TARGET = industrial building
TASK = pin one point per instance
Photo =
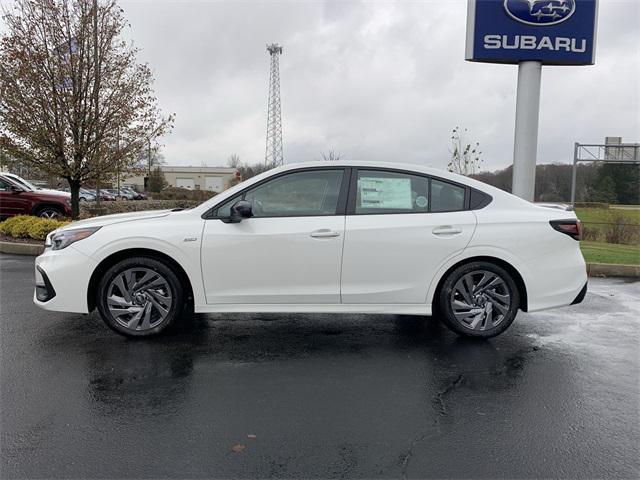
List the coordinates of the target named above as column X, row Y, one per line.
column 214, row 179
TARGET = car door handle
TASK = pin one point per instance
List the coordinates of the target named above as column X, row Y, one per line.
column 446, row 230
column 324, row 233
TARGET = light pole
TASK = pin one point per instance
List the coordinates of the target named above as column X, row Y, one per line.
column 96, row 86
column 149, row 162
column 118, row 158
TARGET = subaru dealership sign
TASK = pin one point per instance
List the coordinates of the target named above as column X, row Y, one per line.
column 553, row 32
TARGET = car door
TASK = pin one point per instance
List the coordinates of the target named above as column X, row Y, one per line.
column 289, row 251
column 13, row 202
column 5, row 193
column 400, row 228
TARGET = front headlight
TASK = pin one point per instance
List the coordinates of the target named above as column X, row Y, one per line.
column 64, row 238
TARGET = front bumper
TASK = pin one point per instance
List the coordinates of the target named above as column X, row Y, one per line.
column 62, row 279
column 44, row 288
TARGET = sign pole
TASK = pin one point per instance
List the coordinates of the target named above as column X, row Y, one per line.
column 574, row 173
column 526, row 134
column 530, row 33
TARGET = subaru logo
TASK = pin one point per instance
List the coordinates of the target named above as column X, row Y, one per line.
column 540, row 12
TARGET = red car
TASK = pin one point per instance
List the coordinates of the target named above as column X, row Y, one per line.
column 17, row 199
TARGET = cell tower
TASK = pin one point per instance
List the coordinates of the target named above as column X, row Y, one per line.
column 273, row 155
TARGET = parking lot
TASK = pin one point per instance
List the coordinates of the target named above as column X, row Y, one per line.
column 319, row 395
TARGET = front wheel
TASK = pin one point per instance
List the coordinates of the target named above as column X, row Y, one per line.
column 140, row 297
column 479, row 299
column 49, row 212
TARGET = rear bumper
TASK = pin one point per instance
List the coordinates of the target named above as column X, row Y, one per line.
column 557, row 281
column 581, row 295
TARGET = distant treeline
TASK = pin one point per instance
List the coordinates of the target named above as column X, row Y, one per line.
column 606, row 183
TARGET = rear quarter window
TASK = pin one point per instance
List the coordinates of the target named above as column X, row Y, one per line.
column 446, row 197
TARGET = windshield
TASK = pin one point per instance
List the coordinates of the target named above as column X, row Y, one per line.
column 23, row 182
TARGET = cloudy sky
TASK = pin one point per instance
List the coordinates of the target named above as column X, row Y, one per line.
column 375, row 80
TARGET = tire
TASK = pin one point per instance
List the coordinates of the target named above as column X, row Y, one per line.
column 140, row 312
column 478, row 299
column 49, row 212
column 82, row 199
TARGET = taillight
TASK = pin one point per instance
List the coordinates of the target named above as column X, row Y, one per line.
column 573, row 228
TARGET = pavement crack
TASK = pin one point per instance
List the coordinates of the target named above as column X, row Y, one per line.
column 439, row 397
column 406, row 457
column 439, row 402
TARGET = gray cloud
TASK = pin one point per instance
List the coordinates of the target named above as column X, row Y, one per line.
column 382, row 81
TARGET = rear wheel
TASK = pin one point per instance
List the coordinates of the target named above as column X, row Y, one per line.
column 140, row 297
column 479, row 299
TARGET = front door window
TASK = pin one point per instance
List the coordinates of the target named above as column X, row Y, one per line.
column 301, row 194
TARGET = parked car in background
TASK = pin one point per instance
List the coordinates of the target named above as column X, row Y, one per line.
column 121, row 194
column 87, row 195
column 17, row 199
column 329, row 237
column 104, row 195
column 136, row 195
column 84, row 195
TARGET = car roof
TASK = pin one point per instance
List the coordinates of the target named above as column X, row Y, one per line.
column 7, row 177
column 409, row 167
column 13, row 175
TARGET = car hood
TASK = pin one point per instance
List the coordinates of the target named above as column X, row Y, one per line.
column 52, row 193
column 116, row 218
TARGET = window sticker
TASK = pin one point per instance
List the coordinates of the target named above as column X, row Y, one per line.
column 422, row 201
column 376, row 192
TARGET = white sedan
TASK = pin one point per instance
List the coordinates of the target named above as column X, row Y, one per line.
column 326, row 237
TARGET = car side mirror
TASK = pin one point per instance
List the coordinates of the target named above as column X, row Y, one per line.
column 239, row 210
column 16, row 189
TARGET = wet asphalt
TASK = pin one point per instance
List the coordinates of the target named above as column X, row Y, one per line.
column 322, row 396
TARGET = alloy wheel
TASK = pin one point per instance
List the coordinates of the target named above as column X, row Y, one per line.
column 49, row 213
column 139, row 298
column 480, row 300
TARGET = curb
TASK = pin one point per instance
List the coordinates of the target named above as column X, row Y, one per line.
column 21, row 248
column 593, row 269
column 612, row 270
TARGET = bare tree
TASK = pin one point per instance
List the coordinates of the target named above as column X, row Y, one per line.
column 74, row 102
column 465, row 157
column 245, row 170
column 331, row 156
column 234, row 161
